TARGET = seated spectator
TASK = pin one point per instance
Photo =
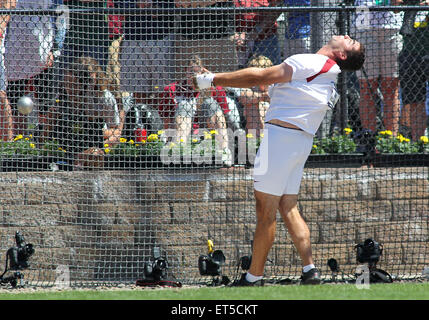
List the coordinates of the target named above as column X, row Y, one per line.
column 183, row 107
column 115, row 34
column 88, row 116
column 255, row 101
column 256, row 32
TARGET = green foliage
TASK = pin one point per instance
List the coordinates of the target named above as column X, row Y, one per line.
column 25, row 146
column 338, row 143
column 387, row 143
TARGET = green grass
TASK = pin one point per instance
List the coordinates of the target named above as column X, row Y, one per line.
column 395, row 291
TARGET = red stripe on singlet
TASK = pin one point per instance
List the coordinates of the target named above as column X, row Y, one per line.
column 326, row 67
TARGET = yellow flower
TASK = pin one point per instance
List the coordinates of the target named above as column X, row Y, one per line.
column 106, row 145
column 107, row 150
column 18, row 137
column 386, row 133
column 122, row 140
column 261, row 135
column 314, row 146
column 26, row 139
column 152, row 137
column 160, row 132
column 181, row 140
column 249, row 135
column 424, row 139
column 32, row 146
column 131, row 141
column 348, row 130
column 401, row 138
column 207, row 135
column 194, row 140
column 61, row 149
column 213, row 132
column 172, row 145
column 31, row 136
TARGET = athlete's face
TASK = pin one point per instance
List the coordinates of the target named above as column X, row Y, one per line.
column 342, row 44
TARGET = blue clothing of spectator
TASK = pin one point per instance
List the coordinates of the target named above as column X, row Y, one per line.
column 298, row 22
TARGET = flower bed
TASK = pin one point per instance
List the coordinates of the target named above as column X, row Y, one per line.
column 339, row 150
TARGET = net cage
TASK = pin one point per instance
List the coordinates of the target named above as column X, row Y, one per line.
column 111, row 159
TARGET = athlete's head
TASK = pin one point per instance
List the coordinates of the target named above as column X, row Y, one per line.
column 348, row 53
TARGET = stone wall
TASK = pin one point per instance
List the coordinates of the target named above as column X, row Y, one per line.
column 103, row 225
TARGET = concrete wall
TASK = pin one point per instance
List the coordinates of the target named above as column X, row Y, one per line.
column 103, row 225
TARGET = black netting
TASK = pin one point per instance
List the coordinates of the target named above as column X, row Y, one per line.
column 109, row 155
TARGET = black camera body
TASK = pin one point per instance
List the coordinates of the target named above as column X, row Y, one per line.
column 18, row 256
column 369, row 251
column 157, row 269
column 210, row 265
column 16, row 260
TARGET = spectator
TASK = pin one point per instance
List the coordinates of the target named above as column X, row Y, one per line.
column 255, row 100
column 87, row 33
column 115, row 34
column 183, row 108
column 379, row 32
column 90, row 117
column 413, row 74
column 297, row 33
column 208, row 34
column 6, row 120
column 256, row 33
column 146, row 57
column 28, row 57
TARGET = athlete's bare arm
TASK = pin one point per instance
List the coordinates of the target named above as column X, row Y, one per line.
column 250, row 77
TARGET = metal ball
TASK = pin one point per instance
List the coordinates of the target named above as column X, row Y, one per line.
column 25, row 105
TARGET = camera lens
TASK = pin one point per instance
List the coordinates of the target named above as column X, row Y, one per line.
column 369, row 243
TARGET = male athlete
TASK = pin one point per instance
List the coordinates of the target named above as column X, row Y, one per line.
column 302, row 89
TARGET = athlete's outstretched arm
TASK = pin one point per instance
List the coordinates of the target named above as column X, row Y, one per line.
column 246, row 78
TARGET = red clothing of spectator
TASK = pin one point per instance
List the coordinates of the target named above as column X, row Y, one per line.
column 167, row 102
column 248, row 20
column 115, row 22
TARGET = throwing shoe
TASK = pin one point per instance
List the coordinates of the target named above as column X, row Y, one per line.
column 242, row 282
column 311, row 277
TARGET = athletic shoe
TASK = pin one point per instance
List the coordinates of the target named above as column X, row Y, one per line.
column 311, row 277
column 244, row 283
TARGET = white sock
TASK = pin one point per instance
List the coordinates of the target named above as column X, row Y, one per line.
column 308, row 267
column 251, row 278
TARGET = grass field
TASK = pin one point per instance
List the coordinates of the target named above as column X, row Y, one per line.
column 395, row 291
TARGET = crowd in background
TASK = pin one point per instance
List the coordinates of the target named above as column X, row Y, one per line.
column 95, row 76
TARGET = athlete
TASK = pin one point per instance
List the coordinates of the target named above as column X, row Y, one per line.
column 302, row 89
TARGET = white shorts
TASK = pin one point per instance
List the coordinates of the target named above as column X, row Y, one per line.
column 279, row 163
